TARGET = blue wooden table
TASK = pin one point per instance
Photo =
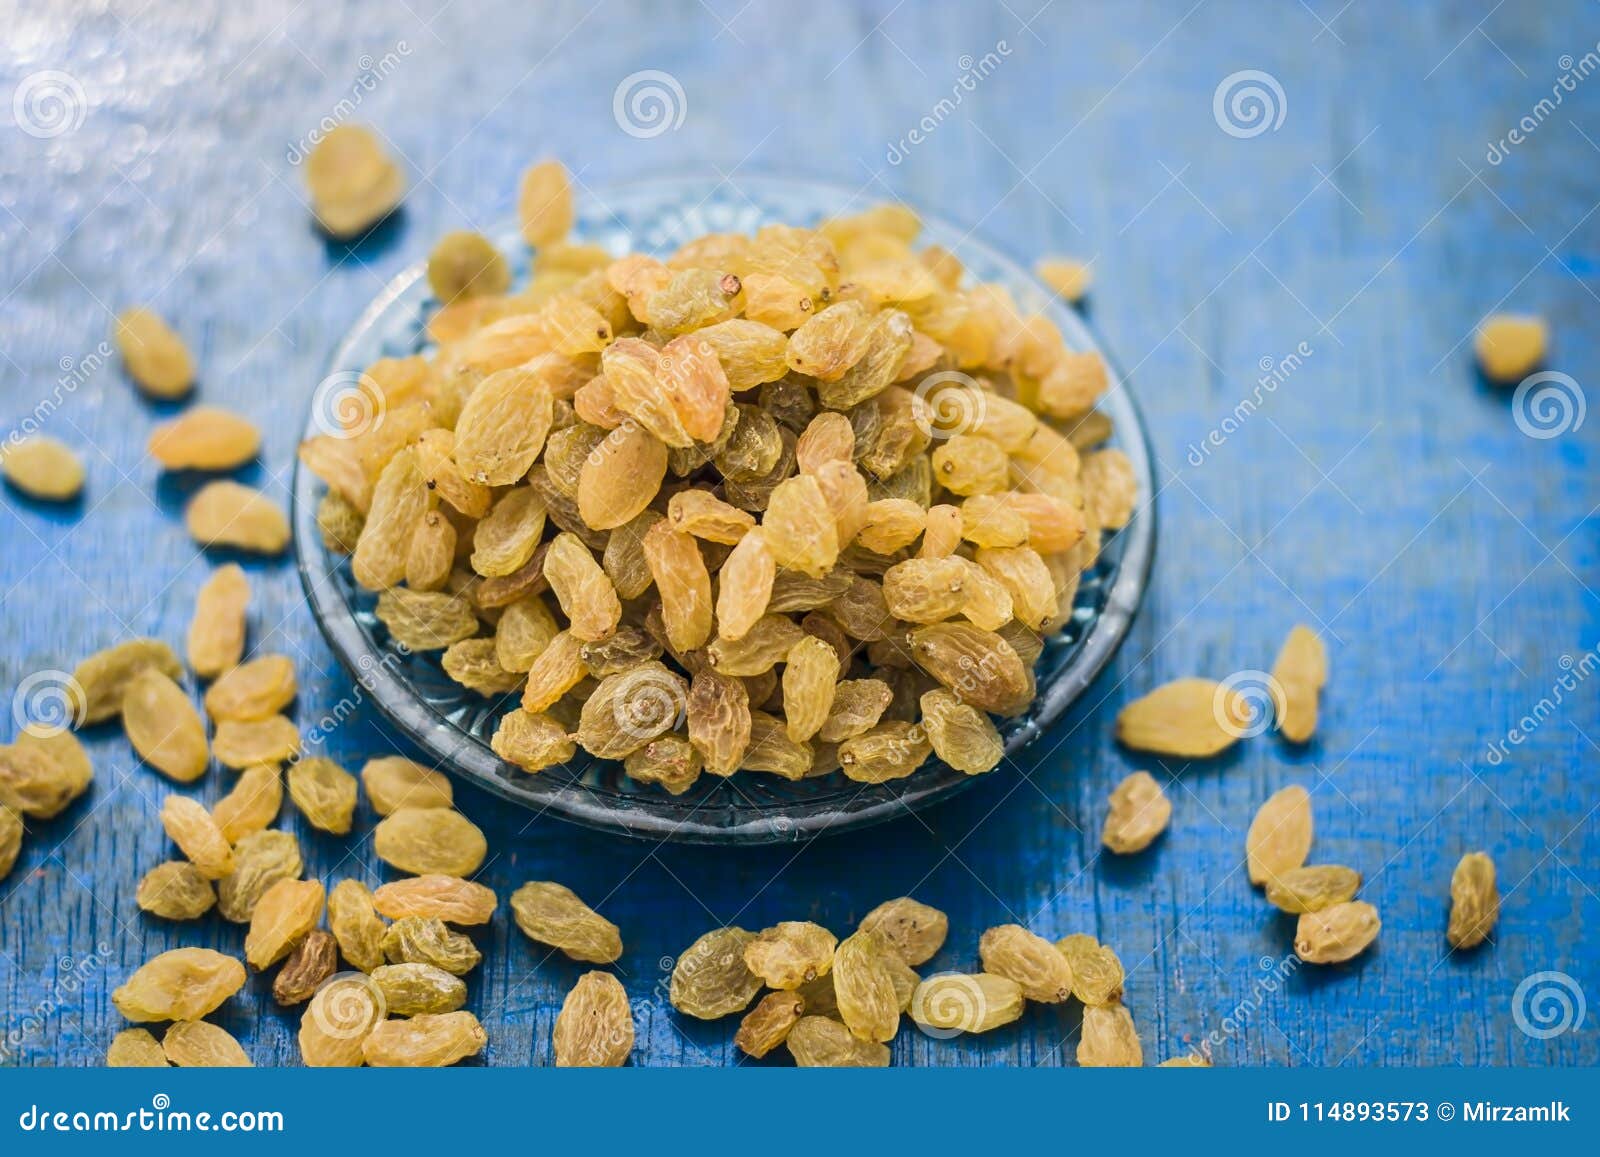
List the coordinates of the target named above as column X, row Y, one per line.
column 1323, row 257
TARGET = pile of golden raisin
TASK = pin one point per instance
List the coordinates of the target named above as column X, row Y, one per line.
column 791, row 503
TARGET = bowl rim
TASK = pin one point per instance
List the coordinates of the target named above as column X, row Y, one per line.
column 396, row 698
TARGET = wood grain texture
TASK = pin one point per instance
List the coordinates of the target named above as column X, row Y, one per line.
column 1379, row 491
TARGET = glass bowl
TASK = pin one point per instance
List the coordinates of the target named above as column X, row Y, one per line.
column 453, row 725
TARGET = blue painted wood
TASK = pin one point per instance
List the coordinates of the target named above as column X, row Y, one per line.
column 1378, row 491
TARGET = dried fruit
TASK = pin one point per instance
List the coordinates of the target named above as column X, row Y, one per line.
column 11, row 833
column 229, row 514
column 393, row 782
column 163, row 726
column 1510, row 347
column 551, row 914
column 1279, row 838
column 431, row 1040
column 1042, row 970
column 283, row 917
column 353, row 183
column 595, row 1026
column 961, row 1002
column 255, row 690
column 1474, row 901
column 683, row 583
column 532, row 444
column 425, row 940
column 98, row 682
column 960, row 735
column 324, row 792
column 430, row 840
column 1107, row 1038
column 447, row 898
column 1096, row 972
column 544, row 204
column 195, row 1044
column 1312, row 888
column 308, row 967
column 1336, row 933
column 135, row 1048
column 978, row 666
column 353, row 920
column 818, row 1042
column 710, row 978
column 1300, row 671
column 464, row 264
column 791, row 953
column 216, row 632
column 1071, row 279
column 191, row 827
column 1187, row 718
column 416, row 988
column 176, row 890
column 580, row 585
column 244, row 743
column 154, row 356
column 767, row 1025
column 1140, row 811
column 426, row 620
column 43, row 468
column 888, row 751
column 252, row 805
column 913, row 930
column 205, row 438
column 863, row 984
column 337, row 1022
column 43, row 772
column 260, row 860
column 183, row 984
column 532, row 740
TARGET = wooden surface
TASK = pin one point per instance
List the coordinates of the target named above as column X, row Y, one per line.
column 1380, row 492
